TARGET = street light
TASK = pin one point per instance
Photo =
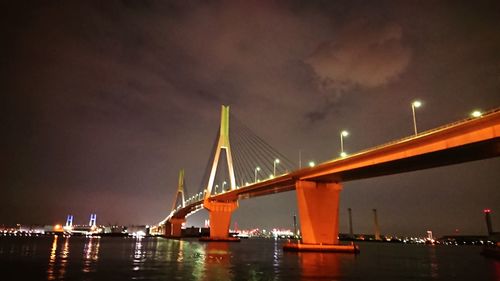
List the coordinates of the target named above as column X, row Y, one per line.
column 476, row 113
column 256, row 170
column 343, row 134
column 216, row 186
column 276, row 162
column 223, row 184
column 311, row 164
column 415, row 104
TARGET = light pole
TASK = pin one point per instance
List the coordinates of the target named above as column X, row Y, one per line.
column 216, row 186
column 223, row 184
column 343, row 134
column 256, row 170
column 276, row 162
column 415, row 104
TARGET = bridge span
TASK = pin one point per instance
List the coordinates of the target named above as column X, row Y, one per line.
column 318, row 188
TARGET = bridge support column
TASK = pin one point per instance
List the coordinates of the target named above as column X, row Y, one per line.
column 318, row 205
column 173, row 227
column 220, row 219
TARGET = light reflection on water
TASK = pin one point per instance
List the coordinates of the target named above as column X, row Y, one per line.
column 81, row 258
column 139, row 255
column 434, row 265
column 52, row 260
column 217, row 261
column 90, row 254
column 317, row 265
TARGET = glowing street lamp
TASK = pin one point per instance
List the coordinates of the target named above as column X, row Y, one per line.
column 343, row 134
column 276, row 162
column 256, row 170
column 312, row 164
column 415, row 104
column 223, row 184
column 476, row 113
column 216, row 186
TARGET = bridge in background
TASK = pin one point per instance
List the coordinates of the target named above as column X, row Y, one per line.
column 318, row 187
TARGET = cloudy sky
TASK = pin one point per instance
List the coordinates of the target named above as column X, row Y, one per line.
column 104, row 101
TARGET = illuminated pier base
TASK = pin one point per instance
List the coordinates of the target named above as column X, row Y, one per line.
column 173, row 227
column 220, row 219
column 318, row 205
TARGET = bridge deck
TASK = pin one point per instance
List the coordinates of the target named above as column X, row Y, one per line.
column 467, row 140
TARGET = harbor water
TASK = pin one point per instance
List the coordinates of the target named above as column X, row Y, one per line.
column 155, row 258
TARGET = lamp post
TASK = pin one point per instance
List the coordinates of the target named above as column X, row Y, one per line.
column 223, row 184
column 343, row 134
column 256, row 170
column 276, row 162
column 216, row 186
column 415, row 104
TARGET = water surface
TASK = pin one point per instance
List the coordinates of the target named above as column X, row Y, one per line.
column 80, row 258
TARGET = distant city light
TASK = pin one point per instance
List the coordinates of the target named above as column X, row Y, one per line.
column 487, row 211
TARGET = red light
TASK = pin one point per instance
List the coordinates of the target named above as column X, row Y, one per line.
column 487, row 211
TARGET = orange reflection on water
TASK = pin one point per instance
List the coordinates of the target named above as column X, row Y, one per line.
column 217, row 261
column 90, row 253
column 52, row 260
column 63, row 255
column 319, row 265
column 180, row 256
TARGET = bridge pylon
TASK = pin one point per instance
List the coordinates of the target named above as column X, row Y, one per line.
column 220, row 212
column 173, row 225
column 222, row 143
column 180, row 191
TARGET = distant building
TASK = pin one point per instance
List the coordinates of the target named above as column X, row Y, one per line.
column 138, row 230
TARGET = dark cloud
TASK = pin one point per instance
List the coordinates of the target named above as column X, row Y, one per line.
column 361, row 54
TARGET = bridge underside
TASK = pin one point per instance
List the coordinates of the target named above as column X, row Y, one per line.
column 466, row 153
column 456, row 155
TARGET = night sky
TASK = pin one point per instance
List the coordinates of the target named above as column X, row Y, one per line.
column 103, row 102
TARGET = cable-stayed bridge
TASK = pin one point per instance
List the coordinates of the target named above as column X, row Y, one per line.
column 246, row 167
